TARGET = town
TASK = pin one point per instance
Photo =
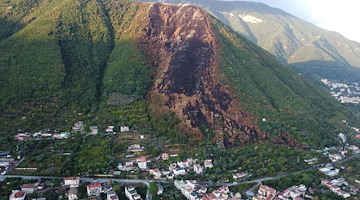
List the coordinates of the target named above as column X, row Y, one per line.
column 344, row 92
column 140, row 176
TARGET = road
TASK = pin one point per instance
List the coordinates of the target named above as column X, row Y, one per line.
column 87, row 179
column 302, row 170
column 147, row 182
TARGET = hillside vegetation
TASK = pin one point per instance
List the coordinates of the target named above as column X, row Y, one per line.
column 66, row 60
column 273, row 92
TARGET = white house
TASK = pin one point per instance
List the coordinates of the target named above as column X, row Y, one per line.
column 94, row 130
column 198, row 169
column 208, row 163
column 155, row 172
column 160, row 189
column 131, row 193
column 179, row 171
column 172, row 167
column 72, row 181
column 94, row 189
column 224, row 189
column 239, row 175
column 135, row 148
column 17, row 195
column 342, row 136
column 142, row 162
column 111, row 195
column 165, row 156
column 137, row 197
column 72, row 195
column 170, row 176
column 181, row 164
column 334, row 157
column 28, row 188
column 110, row 129
column 124, row 129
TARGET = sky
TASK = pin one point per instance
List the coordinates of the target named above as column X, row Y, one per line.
column 342, row 16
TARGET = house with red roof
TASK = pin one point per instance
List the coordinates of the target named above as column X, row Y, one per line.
column 17, row 195
column 28, row 188
column 72, row 181
column 142, row 162
column 165, row 156
column 94, row 189
column 155, row 172
column 208, row 163
column 265, row 193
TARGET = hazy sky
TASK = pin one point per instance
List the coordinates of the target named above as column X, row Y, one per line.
column 342, row 16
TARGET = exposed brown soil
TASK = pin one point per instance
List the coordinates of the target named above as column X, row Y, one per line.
column 180, row 41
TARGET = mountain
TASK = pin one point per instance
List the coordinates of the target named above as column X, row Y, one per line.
column 306, row 47
column 173, row 68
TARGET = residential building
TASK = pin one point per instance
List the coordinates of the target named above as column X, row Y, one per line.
column 284, row 195
column 334, row 188
column 334, row 157
column 131, row 193
column 94, row 130
column 111, row 195
column 311, row 161
column 181, row 164
column 224, row 189
column 160, row 189
column 135, row 148
column 5, row 154
column 120, row 165
column 179, row 171
column 172, row 167
column 202, row 189
column 188, row 162
column 72, row 194
column 94, row 189
column 142, row 162
column 28, row 188
column 170, row 176
column 72, row 181
column 129, row 164
column 342, row 136
column 174, row 155
column 137, row 197
column 192, row 191
column 155, row 172
column 110, row 129
column 124, row 129
column 239, row 175
column 265, row 192
column 354, row 148
column 208, row 163
column 165, row 156
column 62, row 135
column 78, row 126
column 329, row 172
column 198, row 169
column 17, row 195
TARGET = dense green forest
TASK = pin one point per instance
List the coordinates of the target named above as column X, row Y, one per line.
column 269, row 90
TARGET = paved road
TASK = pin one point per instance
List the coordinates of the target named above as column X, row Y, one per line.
column 87, row 179
column 302, row 170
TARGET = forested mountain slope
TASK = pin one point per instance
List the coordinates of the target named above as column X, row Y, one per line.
column 306, row 47
column 61, row 59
